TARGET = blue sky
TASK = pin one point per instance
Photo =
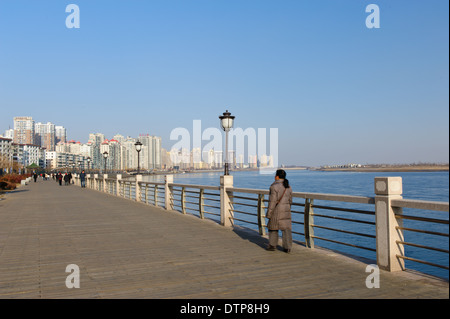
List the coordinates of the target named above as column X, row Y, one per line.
column 337, row 91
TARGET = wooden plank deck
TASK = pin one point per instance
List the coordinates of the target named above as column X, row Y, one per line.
column 126, row 249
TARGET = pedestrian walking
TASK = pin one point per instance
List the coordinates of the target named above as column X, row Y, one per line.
column 35, row 176
column 66, row 179
column 279, row 212
column 83, row 179
column 59, row 178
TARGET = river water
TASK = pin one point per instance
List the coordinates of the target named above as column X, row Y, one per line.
column 430, row 186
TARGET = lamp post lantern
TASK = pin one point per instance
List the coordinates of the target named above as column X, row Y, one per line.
column 226, row 121
column 105, row 156
column 138, row 146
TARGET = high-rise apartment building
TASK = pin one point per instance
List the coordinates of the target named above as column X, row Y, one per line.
column 96, row 140
column 114, row 161
column 129, row 154
column 151, row 152
column 45, row 135
column 24, row 130
column 60, row 134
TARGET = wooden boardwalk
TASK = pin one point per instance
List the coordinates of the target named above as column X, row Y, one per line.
column 126, row 249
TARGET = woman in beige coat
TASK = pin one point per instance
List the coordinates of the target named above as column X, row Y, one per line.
column 279, row 212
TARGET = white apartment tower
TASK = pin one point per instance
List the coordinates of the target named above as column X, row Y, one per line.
column 45, row 135
column 60, row 134
column 150, row 156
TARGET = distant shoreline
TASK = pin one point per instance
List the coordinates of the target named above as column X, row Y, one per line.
column 418, row 168
column 437, row 168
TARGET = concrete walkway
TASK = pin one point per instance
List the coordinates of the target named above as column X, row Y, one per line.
column 126, row 249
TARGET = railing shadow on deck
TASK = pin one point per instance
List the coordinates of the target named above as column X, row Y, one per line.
column 251, row 235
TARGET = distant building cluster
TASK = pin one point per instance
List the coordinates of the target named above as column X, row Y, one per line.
column 196, row 159
column 122, row 154
column 39, row 145
column 27, row 142
column 343, row 166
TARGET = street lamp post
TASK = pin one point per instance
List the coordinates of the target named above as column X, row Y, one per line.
column 89, row 162
column 226, row 121
column 138, row 146
column 105, row 156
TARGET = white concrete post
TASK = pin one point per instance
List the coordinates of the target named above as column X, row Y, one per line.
column 168, row 192
column 118, row 179
column 226, row 181
column 137, row 189
column 105, row 188
column 386, row 190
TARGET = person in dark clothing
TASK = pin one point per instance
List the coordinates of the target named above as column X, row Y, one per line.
column 59, row 178
column 279, row 212
column 66, row 179
column 83, row 179
column 35, row 176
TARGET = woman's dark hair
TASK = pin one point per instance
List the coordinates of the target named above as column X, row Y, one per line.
column 282, row 175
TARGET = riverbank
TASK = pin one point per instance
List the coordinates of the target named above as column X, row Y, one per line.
column 406, row 168
column 399, row 168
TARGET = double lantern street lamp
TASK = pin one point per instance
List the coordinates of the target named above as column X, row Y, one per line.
column 138, row 146
column 226, row 121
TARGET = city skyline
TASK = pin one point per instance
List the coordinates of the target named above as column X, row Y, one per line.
column 36, row 144
column 337, row 91
column 22, row 145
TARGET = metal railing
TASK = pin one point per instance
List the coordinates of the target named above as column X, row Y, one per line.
column 127, row 189
column 413, row 215
column 307, row 216
column 202, row 201
column 152, row 193
column 111, row 186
